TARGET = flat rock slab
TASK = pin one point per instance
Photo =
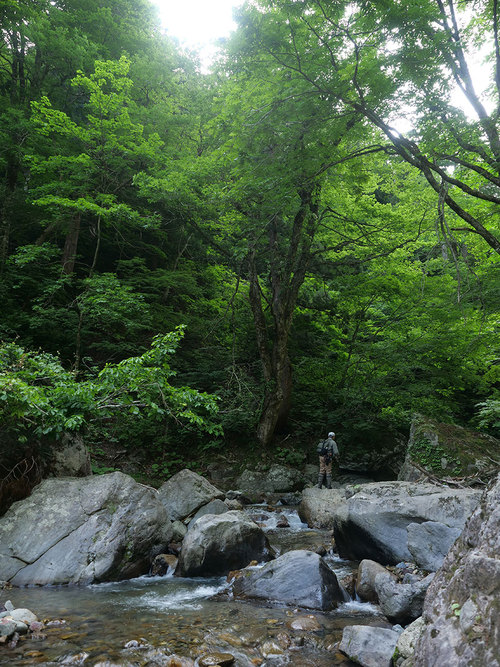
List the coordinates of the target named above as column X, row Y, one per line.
column 82, row 530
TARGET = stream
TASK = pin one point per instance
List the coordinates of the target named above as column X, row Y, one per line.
column 187, row 617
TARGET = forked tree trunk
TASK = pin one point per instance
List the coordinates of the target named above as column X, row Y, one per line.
column 288, row 265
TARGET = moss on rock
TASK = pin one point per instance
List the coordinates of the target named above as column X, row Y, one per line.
column 450, row 450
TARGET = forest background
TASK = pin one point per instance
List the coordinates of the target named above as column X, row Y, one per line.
column 196, row 263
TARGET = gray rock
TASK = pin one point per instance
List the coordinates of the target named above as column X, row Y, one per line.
column 216, row 506
column 88, row 529
column 383, row 458
column 401, row 603
column 429, row 542
column 233, row 504
column 217, row 544
column 7, row 627
column 23, row 615
column 317, row 507
column 365, row 579
column 278, row 479
column 451, row 448
column 469, row 615
column 373, row 523
column 370, row 647
column 179, row 531
column 70, row 457
column 467, row 583
column 297, row 577
column 238, row 496
column 409, row 637
column 185, row 493
column 410, row 473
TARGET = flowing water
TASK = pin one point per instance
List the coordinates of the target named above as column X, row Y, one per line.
column 186, row 617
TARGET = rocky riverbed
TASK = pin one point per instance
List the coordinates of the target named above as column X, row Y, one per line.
column 243, row 584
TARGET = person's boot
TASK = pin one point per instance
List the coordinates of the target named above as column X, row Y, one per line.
column 328, row 481
column 321, row 479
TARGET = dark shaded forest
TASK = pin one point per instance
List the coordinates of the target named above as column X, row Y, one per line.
column 192, row 263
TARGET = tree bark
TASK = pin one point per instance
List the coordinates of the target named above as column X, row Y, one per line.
column 71, row 245
column 286, row 275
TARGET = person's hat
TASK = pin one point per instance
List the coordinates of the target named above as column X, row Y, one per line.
column 331, row 434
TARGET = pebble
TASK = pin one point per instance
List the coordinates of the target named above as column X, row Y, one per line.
column 24, row 616
column 177, row 661
column 55, row 623
column 36, row 626
column 33, row 654
column 76, row 659
column 7, row 627
column 306, row 623
column 271, row 648
column 284, row 640
column 216, row 660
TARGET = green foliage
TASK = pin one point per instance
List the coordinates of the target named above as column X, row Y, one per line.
column 102, row 470
column 166, row 468
column 291, row 457
column 268, row 205
column 39, row 398
column 488, row 415
column 429, row 455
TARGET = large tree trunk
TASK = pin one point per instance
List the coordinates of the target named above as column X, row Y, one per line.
column 71, row 245
column 289, row 259
column 277, row 398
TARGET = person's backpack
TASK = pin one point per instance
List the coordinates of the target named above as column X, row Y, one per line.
column 322, row 448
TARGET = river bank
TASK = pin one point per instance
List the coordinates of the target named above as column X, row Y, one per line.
column 190, row 617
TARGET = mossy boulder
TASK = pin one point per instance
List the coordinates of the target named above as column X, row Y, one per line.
column 448, row 450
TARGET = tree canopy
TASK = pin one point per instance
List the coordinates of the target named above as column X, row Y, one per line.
column 305, row 238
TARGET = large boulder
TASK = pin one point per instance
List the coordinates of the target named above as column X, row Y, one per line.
column 379, row 521
column 446, row 450
column 461, row 608
column 184, row 493
column 219, row 543
column 216, row 506
column 401, row 602
column 82, row 530
column 430, row 541
column 297, row 577
column 275, row 479
column 365, row 579
column 368, row 646
column 317, row 507
column 69, row 457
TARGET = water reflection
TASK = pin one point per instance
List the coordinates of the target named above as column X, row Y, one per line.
column 187, row 617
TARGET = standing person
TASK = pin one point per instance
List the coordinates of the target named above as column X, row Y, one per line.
column 328, row 452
